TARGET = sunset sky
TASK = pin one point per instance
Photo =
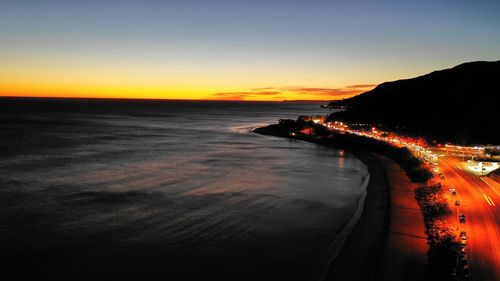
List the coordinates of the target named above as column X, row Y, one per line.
column 250, row 50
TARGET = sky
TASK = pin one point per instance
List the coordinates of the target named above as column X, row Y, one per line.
column 240, row 50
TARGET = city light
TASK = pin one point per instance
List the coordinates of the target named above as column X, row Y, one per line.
column 421, row 150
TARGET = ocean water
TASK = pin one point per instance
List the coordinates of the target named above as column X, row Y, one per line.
column 166, row 190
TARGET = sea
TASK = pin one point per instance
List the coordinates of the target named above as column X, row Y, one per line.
column 96, row 189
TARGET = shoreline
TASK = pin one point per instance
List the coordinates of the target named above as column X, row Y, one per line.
column 388, row 242
column 363, row 238
column 334, row 249
column 358, row 257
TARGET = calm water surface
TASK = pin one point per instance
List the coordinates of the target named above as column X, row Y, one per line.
column 103, row 189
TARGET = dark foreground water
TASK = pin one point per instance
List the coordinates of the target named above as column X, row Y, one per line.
column 140, row 190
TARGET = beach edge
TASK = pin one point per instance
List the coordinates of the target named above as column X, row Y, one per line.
column 359, row 255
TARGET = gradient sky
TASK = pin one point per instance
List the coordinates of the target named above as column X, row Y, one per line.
column 260, row 50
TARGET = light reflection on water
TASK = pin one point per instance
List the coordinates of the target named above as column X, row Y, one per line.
column 176, row 188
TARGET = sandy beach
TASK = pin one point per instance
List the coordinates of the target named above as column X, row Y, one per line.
column 359, row 256
column 388, row 243
column 406, row 250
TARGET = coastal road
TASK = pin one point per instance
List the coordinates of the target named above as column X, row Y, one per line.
column 480, row 202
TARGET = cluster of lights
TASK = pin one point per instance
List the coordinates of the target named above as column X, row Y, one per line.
column 419, row 151
column 459, row 147
column 415, row 146
column 339, row 126
column 481, row 168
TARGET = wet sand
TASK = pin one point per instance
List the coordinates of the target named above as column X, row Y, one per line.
column 359, row 258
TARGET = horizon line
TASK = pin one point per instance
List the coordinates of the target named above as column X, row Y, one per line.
column 151, row 99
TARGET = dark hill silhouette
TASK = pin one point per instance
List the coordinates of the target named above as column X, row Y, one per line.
column 459, row 105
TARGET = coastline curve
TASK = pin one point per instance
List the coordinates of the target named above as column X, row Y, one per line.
column 321, row 271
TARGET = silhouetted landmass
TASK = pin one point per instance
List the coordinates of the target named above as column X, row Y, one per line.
column 459, row 105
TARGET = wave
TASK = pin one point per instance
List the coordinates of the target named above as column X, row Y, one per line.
column 110, row 197
column 332, row 251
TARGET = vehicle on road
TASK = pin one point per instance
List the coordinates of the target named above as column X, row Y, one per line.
column 457, row 203
column 453, row 191
column 461, row 218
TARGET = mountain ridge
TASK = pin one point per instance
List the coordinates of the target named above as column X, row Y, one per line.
column 458, row 105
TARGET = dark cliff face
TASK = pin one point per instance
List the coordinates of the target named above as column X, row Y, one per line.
column 458, row 105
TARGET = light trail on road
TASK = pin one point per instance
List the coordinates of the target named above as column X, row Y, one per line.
column 483, row 218
column 488, row 199
column 491, row 184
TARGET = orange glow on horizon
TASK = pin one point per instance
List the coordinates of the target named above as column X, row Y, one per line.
column 143, row 92
column 79, row 77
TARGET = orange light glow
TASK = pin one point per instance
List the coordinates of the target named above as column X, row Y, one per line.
column 85, row 80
